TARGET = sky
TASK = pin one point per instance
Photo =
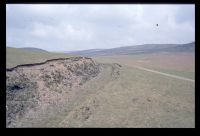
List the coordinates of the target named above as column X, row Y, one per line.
column 71, row 27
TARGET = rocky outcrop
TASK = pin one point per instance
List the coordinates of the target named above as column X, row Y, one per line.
column 24, row 83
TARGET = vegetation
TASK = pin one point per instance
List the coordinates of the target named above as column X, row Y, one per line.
column 16, row 56
column 119, row 96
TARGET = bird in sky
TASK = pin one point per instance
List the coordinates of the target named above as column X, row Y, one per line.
column 157, row 25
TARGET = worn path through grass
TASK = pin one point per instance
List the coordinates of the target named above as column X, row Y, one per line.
column 165, row 74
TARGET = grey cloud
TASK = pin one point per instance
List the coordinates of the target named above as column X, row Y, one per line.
column 185, row 14
column 78, row 27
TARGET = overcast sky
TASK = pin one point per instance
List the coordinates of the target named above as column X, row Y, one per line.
column 78, row 27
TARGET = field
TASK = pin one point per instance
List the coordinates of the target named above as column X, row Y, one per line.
column 125, row 96
column 180, row 64
column 137, row 99
column 143, row 99
column 16, row 56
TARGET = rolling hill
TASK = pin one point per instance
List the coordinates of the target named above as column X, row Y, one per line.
column 145, row 91
column 16, row 56
column 79, row 92
column 33, row 49
column 139, row 49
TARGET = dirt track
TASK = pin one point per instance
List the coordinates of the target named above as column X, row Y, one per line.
column 165, row 74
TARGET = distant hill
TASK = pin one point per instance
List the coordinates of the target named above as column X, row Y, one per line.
column 138, row 49
column 90, row 51
column 17, row 56
column 33, row 49
column 190, row 47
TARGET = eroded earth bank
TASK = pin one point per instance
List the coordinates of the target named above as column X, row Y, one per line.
column 43, row 94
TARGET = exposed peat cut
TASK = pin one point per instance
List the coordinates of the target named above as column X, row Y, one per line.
column 30, row 84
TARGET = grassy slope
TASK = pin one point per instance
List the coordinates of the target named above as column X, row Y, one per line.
column 138, row 99
column 18, row 56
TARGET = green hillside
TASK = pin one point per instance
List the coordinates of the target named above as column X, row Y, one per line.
column 16, row 56
column 33, row 49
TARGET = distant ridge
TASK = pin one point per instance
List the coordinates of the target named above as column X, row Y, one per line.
column 33, row 49
column 18, row 56
column 85, row 51
column 138, row 49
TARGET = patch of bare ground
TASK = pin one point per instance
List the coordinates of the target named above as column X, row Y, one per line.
column 33, row 91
